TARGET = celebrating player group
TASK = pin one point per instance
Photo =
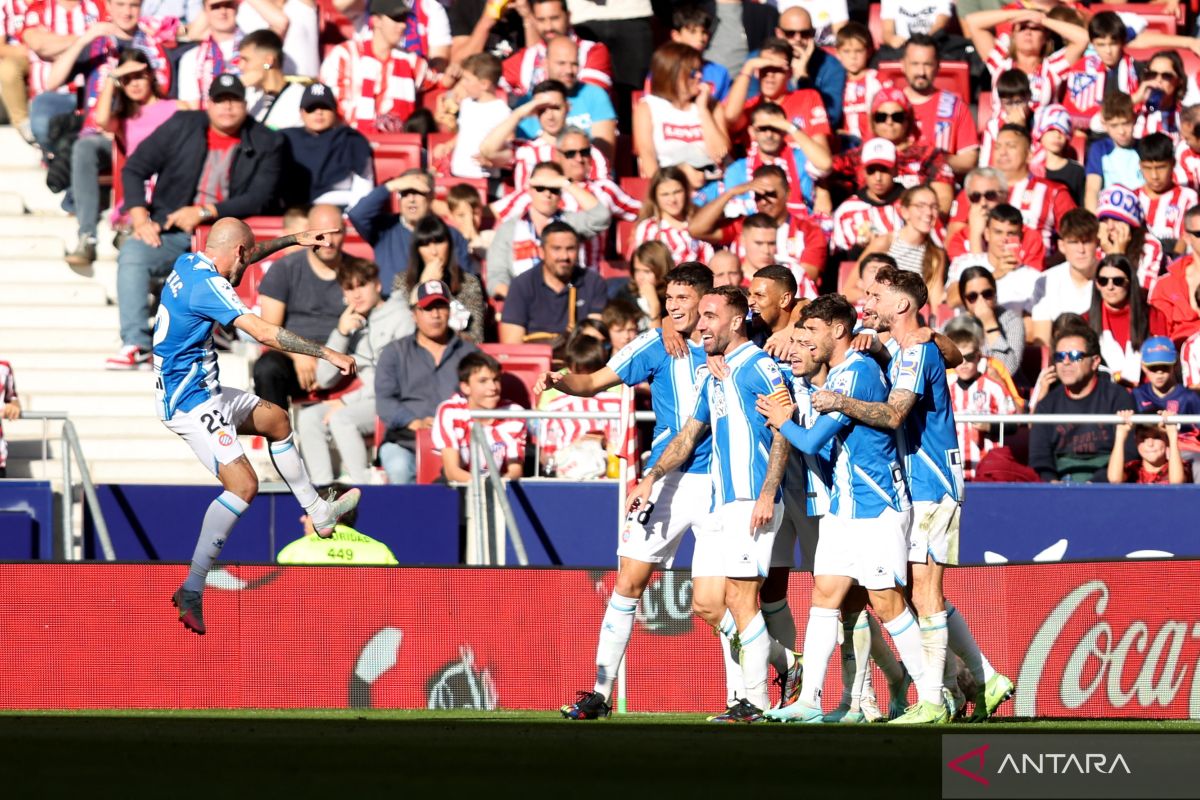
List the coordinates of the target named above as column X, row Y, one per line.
column 848, row 452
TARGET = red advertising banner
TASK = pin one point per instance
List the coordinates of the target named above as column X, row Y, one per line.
column 1079, row 640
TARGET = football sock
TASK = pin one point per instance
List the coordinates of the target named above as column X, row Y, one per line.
column 933, row 643
column 614, row 637
column 218, row 521
column 779, row 656
column 963, row 643
column 856, row 656
column 882, row 655
column 820, row 639
column 906, row 635
column 735, row 688
column 290, row 467
column 780, row 622
column 755, row 648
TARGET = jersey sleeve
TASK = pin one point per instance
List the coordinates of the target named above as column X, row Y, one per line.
column 911, row 375
column 771, row 381
column 513, row 433
column 215, row 299
column 701, row 411
column 846, row 382
column 442, row 434
column 636, row 362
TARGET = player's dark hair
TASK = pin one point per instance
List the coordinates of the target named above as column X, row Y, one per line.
column 690, row 16
column 1156, row 147
column 921, row 40
column 558, row 226
column 1006, row 213
column 759, row 221
column 734, row 296
column 694, row 274
column 473, row 362
column 780, row 275
column 771, row 171
column 830, row 309
column 910, row 284
column 1075, row 325
column 1107, row 25
column 356, row 272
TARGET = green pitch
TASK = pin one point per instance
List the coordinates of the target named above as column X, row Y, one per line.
column 292, row 754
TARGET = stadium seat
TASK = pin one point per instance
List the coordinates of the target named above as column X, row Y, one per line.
column 395, row 153
column 984, row 114
column 1156, row 17
column 875, row 23
column 846, row 271
column 523, row 364
column 614, row 269
column 953, row 76
column 623, row 162
column 429, row 463
column 355, row 245
column 634, row 186
column 625, row 238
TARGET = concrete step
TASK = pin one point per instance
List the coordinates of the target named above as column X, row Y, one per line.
column 92, row 382
column 99, row 405
column 15, row 151
column 54, row 270
column 59, row 294
column 186, row 470
column 88, row 428
column 78, row 319
column 11, row 203
column 63, row 228
column 151, row 451
column 33, row 246
column 30, row 184
column 98, row 344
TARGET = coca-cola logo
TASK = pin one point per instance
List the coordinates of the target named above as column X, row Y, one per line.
column 1109, row 656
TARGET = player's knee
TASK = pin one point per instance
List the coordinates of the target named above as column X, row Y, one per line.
column 708, row 610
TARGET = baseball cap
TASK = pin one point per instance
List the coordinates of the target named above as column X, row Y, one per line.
column 227, row 85
column 1159, row 350
column 1120, row 203
column 879, row 151
column 431, row 292
column 317, row 95
column 390, row 8
column 890, row 94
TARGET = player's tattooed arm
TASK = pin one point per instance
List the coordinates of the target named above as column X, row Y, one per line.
column 887, row 415
column 263, row 249
column 290, row 342
column 776, row 464
column 679, row 448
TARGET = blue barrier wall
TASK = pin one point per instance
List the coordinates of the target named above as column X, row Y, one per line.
column 576, row 524
column 26, row 520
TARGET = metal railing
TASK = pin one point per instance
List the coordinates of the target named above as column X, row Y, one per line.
column 1004, row 420
column 71, row 447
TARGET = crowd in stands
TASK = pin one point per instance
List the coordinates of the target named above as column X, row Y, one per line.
column 1036, row 162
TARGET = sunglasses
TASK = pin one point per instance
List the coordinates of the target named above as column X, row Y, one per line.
column 223, row 7
column 1118, row 281
column 547, row 189
column 1159, row 367
column 971, row 358
column 1069, row 356
column 880, row 117
column 1026, row 26
column 411, row 192
column 1191, row 232
column 798, row 33
column 143, row 75
column 765, row 195
column 1151, row 75
column 986, row 294
column 696, row 74
column 877, row 168
column 573, row 154
column 991, row 195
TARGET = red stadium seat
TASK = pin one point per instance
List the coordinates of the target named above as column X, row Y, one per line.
column 984, row 114
column 429, row 463
column 523, row 364
column 846, row 271
column 634, row 186
column 875, row 23
column 395, row 153
column 953, row 76
column 625, row 238
column 355, row 245
column 614, row 269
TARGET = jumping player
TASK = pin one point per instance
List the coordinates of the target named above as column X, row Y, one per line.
column 191, row 402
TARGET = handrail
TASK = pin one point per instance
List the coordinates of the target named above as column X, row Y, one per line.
column 71, row 446
column 493, row 479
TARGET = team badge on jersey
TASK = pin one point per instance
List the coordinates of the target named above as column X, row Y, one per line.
column 779, row 389
column 718, row 400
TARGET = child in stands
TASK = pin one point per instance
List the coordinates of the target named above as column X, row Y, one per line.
column 478, row 390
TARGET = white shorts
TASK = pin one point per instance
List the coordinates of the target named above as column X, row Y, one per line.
column 796, row 526
column 874, row 552
column 211, row 427
column 935, row 531
column 681, row 502
column 745, row 555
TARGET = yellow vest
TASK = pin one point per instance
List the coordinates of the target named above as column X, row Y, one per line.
column 347, row 546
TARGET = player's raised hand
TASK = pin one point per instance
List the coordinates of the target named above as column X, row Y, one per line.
column 779, row 344
column 914, row 338
column 717, row 366
column 548, row 380
column 316, row 238
column 776, row 412
column 824, row 400
column 345, row 364
column 673, row 342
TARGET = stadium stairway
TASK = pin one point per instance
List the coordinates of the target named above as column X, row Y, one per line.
column 58, row 325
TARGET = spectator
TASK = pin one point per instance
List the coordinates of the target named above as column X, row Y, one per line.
column 1187, row 151
column 1088, row 80
column 780, row 237
column 588, row 106
column 829, row 18
column 1015, row 281
column 665, row 215
column 481, row 26
column 1123, row 231
column 414, row 374
column 916, row 163
column 515, row 248
column 188, row 12
column 129, row 108
column 272, row 100
column 479, row 111
column 1159, row 459
column 328, row 163
column 623, row 319
column 1189, row 359
column 741, row 26
column 1067, row 287
column 812, row 67
column 1163, row 201
column 647, row 288
column 726, row 269
column 528, row 67
column 1159, row 96
column 854, row 48
column 549, row 302
column 301, row 292
column 776, row 140
column 210, row 164
column 676, row 124
column 1113, row 159
column 902, row 20
column 1052, row 134
column 1016, row 108
column 1173, row 295
column 549, row 105
column 466, row 214
column 1003, row 330
column 10, row 408
column 433, row 259
column 575, row 448
column 1121, row 319
column 356, row 69
column 1073, row 452
column 943, row 119
column 1162, row 392
column 693, row 26
column 984, row 188
column 802, row 108
column 478, row 390
column 14, row 69
column 48, row 28
column 366, row 326
column 626, row 25
column 912, row 246
column 855, row 288
column 392, row 234
column 1025, row 48
column 296, row 24
column 874, row 209
column 214, row 55
column 972, row 391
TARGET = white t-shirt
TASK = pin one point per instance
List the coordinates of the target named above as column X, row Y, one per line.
column 914, row 16
column 475, row 121
column 300, row 54
column 1055, row 293
column 282, row 112
column 1014, row 291
column 825, row 14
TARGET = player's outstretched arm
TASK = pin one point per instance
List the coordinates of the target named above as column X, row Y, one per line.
column 577, row 384
column 281, row 338
column 314, row 238
column 889, row 415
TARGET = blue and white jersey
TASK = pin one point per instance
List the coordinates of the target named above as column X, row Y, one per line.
column 185, row 362
column 867, row 477
column 673, row 385
column 928, row 439
column 741, row 437
column 808, row 477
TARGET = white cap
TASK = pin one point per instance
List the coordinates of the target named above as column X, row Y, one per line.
column 879, row 151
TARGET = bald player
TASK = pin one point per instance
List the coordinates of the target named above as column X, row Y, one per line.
column 191, row 402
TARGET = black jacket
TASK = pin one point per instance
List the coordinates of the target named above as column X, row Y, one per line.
column 176, row 152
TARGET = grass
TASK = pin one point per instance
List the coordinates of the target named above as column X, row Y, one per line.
column 313, row 753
